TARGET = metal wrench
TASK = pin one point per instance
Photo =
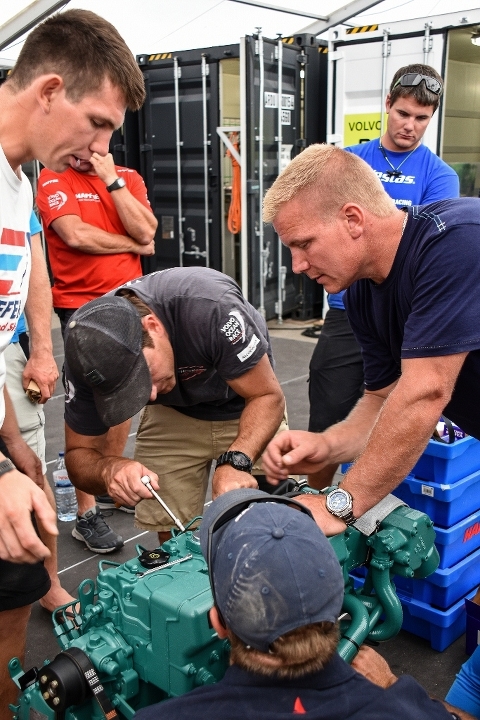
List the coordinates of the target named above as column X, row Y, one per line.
column 145, row 479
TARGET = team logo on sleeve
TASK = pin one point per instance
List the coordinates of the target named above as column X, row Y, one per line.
column 234, row 328
column 57, row 200
column 249, row 350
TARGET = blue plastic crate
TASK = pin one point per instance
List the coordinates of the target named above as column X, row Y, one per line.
column 458, row 541
column 445, row 504
column 444, row 587
column 447, row 463
column 440, row 627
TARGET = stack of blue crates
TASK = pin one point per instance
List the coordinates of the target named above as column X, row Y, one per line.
column 444, row 484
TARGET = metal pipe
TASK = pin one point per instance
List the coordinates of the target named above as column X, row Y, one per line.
column 244, row 233
column 206, row 143
column 281, row 274
column 386, row 47
column 262, row 253
column 177, row 73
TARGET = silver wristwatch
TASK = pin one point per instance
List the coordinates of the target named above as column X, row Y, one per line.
column 339, row 502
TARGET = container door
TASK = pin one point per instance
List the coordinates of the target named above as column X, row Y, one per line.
column 180, row 156
column 279, row 81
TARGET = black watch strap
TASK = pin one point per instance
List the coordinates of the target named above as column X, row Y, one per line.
column 6, row 466
column 116, row 185
column 237, row 459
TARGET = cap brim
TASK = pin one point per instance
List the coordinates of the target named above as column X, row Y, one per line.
column 220, row 505
column 127, row 400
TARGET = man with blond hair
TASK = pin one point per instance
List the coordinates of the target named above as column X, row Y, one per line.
column 413, row 303
column 412, row 175
column 68, row 91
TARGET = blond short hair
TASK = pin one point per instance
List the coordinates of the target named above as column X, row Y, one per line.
column 301, row 651
column 331, row 177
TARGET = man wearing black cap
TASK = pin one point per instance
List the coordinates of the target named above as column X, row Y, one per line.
column 278, row 590
column 187, row 342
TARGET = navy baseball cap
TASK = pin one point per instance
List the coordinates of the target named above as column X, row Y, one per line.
column 271, row 567
column 103, row 348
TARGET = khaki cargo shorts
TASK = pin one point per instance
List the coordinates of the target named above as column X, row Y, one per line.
column 180, row 449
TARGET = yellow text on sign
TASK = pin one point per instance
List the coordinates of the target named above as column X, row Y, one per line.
column 361, row 127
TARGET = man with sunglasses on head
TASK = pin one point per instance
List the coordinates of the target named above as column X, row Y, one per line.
column 412, row 175
column 278, row 590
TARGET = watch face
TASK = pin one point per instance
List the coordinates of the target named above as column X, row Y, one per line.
column 240, row 460
column 337, row 501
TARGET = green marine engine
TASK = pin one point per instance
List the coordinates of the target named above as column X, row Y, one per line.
column 141, row 633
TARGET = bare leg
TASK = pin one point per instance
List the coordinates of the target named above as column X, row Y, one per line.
column 13, row 635
column 56, row 596
column 84, row 500
column 323, row 478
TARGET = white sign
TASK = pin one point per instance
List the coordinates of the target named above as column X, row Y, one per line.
column 271, row 101
column 286, row 117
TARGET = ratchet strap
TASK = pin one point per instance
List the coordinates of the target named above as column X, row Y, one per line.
column 370, row 521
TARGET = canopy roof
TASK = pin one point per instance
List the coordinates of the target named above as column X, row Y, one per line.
column 151, row 26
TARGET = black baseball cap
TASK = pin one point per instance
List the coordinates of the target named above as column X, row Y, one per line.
column 103, row 348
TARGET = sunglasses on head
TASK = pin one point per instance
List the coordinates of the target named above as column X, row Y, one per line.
column 414, row 79
column 230, row 513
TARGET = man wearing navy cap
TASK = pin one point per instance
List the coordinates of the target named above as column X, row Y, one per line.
column 278, row 590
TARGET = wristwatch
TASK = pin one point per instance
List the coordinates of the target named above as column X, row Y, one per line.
column 6, row 466
column 116, row 185
column 339, row 502
column 236, row 459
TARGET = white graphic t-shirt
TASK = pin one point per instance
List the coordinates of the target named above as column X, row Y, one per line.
column 16, row 202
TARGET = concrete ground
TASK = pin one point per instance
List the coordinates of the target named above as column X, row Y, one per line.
column 406, row 653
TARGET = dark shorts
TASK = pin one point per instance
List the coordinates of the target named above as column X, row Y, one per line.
column 21, row 584
column 336, row 373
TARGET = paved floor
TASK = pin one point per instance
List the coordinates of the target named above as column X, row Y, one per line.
column 405, row 653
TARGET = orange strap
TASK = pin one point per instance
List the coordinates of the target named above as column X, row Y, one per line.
column 234, row 221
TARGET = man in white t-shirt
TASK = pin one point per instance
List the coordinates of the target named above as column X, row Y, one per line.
column 68, row 91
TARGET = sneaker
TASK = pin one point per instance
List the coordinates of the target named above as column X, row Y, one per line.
column 92, row 529
column 105, row 502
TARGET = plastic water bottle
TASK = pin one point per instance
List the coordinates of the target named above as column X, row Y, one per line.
column 65, row 497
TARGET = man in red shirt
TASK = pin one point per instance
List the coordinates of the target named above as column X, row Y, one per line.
column 98, row 222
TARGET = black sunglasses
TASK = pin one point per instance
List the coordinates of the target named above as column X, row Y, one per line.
column 413, row 79
column 234, row 511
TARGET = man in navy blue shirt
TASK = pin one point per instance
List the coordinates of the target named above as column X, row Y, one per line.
column 412, row 175
column 413, row 303
column 281, row 617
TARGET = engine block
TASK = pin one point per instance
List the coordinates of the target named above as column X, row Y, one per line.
column 141, row 633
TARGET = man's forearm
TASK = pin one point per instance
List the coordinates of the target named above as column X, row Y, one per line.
column 38, row 308
column 259, row 422
column 139, row 222
column 95, row 241
column 346, row 440
column 404, row 426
